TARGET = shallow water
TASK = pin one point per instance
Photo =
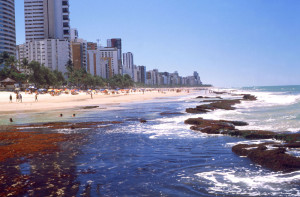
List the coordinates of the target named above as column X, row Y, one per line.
column 161, row 157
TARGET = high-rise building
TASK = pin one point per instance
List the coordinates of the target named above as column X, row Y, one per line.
column 78, row 50
column 51, row 53
column 117, row 43
column 73, row 34
column 7, row 27
column 142, row 74
column 79, row 53
column 128, row 64
column 102, row 62
column 47, row 19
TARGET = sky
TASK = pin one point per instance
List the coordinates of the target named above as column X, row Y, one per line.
column 230, row 43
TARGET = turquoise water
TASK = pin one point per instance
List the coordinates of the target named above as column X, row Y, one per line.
column 277, row 108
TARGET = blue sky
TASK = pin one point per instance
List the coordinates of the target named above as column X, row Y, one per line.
column 231, row 43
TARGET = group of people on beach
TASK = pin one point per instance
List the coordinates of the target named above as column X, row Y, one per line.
column 19, row 97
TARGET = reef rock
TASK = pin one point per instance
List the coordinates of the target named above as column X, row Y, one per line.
column 273, row 158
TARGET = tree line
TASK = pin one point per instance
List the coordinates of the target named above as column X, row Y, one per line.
column 41, row 76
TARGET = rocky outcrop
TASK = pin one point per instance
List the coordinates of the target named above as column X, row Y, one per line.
column 249, row 97
column 267, row 156
column 68, row 125
column 274, row 157
column 222, row 104
column 214, row 126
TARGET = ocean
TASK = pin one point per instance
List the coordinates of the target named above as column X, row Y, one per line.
column 163, row 157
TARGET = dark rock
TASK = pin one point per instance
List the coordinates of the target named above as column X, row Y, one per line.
column 203, row 97
column 67, row 125
column 143, row 120
column 249, row 97
column 223, row 104
column 210, row 126
column 253, row 134
column 237, row 123
column 196, row 110
column 219, row 92
column 89, row 107
column 276, row 159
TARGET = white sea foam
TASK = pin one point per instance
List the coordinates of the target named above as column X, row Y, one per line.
column 231, row 144
column 251, row 183
column 268, row 99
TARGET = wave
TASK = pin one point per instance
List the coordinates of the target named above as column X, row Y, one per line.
column 243, row 181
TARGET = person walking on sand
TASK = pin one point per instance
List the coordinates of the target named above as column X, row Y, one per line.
column 20, row 97
column 10, row 98
column 17, row 97
column 36, row 97
column 91, row 95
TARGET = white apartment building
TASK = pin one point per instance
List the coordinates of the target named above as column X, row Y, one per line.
column 51, row 53
column 128, row 64
column 7, row 27
column 20, row 52
column 47, row 19
column 110, row 54
column 102, row 62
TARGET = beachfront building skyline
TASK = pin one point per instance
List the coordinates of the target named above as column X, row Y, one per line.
column 47, row 19
column 128, row 64
column 7, row 27
column 51, row 42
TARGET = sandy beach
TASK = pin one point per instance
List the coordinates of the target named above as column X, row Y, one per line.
column 67, row 101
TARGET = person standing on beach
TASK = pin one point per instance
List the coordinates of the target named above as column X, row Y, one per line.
column 36, row 97
column 20, row 97
column 91, row 95
column 10, row 98
column 17, row 97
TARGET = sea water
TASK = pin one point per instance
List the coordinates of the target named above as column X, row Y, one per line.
column 163, row 157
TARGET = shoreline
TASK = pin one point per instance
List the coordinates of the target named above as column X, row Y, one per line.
column 46, row 102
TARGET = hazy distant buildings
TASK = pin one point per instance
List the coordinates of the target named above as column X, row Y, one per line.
column 117, row 43
column 128, row 64
column 47, row 19
column 7, row 27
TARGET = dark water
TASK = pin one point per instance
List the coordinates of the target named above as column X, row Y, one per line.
column 161, row 157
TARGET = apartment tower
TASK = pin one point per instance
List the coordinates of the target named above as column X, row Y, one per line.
column 47, row 19
column 128, row 64
column 7, row 27
column 117, row 43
